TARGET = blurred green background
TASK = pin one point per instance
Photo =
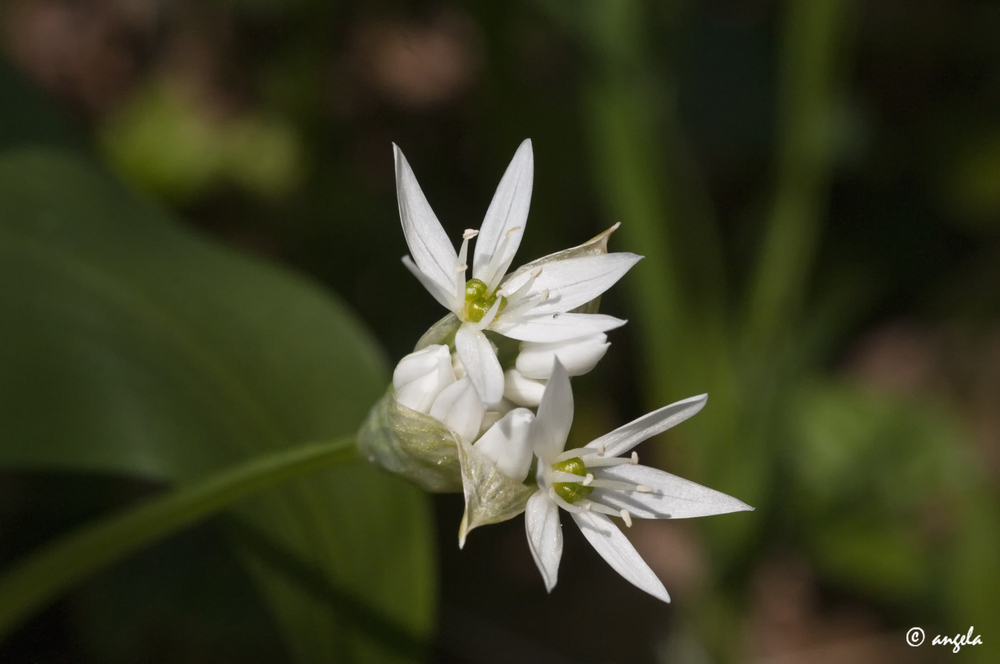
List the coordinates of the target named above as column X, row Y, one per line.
column 815, row 186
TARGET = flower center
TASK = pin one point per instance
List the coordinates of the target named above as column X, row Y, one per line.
column 478, row 302
column 571, row 491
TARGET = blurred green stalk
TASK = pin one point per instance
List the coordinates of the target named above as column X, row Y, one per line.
column 814, row 40
column 45, row 575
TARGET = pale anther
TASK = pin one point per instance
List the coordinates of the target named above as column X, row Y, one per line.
column 635, row 458
column 513, row 230
column 537, row 272
column 642, row 488
column 544, row 295
column 469, row 233
column 627, row 517
column 462, row 268
column 588, row 479
column 600, row 449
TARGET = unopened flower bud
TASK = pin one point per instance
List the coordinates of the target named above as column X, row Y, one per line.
column 459, row 408
column 420, row 377
column 521, row 390
column 578, row 356
column 507, row 443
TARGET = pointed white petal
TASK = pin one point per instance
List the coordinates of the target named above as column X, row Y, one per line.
column 671, row 497
column 578, row 356
column 508, row 210
column 459, row 408
column 541, row 521
column 549, row 328
column 432, row 250
column 480, row 362
column 508, row 443
column 615, row 548
column 626, row 437
column 555, row 416
column 575, row 281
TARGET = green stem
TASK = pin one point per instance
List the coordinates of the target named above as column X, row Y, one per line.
column 814, row 38
column 44, row 575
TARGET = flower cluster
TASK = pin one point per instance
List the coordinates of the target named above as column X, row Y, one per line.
column 459, row 415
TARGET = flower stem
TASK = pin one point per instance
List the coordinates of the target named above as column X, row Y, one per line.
column 814, row 38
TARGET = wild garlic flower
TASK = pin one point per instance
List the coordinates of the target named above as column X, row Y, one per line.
column 594, row 483
column 532, row 305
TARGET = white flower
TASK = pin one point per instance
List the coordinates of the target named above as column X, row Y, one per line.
column 459, row 408
column 591, row 483
column 421, row 376
column 531, row 305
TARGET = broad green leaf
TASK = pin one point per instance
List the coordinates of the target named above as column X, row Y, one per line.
column 32, row 582
column 130, row 344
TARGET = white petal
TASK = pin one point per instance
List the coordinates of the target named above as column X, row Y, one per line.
column 508, row 210
column 459, row 408
column 432, row 250
column 421, row 376
column 541, row 521
column 549, row 328
column 555, row 416
column 578, row 356
column 615, row 548
column 626, row 437
column 508, row 444
column 522, row 391
column 575, row 281
column 445, row 298
column 480, row 362
column 671, row 497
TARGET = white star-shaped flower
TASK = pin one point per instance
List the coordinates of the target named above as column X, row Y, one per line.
column 593, row 483
column 529, row 305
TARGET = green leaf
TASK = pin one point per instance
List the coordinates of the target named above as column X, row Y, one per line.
column 132, row 345
column 40, row 578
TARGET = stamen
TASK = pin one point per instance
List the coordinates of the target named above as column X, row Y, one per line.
column 569, row 507
column 544, row 295
column 627, row 517
column 635, row 459
column 469, row 233
column 588, row 479
column 594, row 461
column 642, row 488
column 600, row 449
column 537, row 272
column 575, row 452
column 490, row 315
column 564, row 477
column 498, row 265
column 594, row 506
column 462, row 268
column 618, row 486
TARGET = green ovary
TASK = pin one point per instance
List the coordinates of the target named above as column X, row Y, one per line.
column 477, row 303
column 571, row 491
